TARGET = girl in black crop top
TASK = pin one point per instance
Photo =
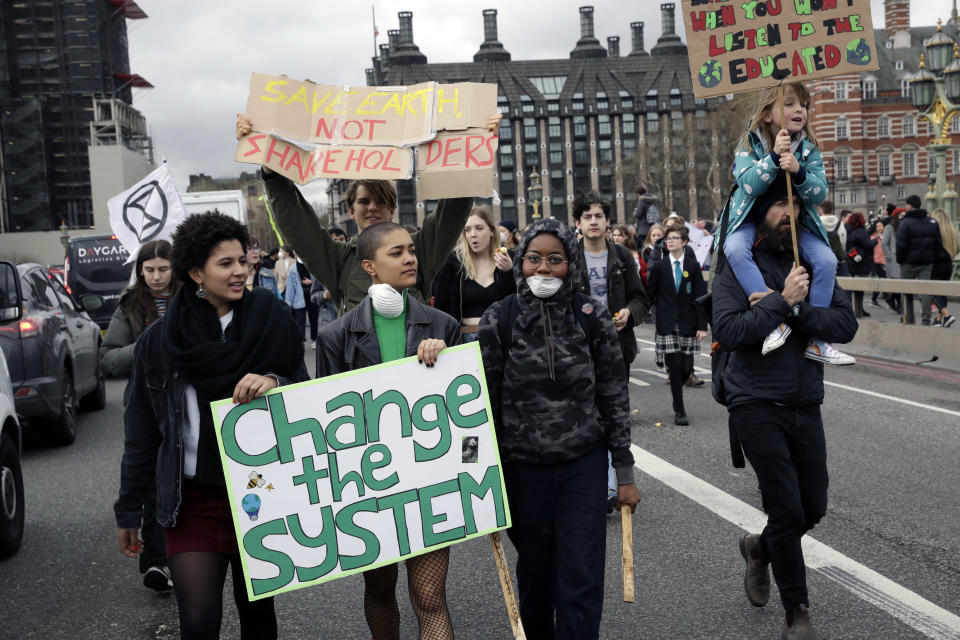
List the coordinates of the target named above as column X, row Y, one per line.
column 478, row 273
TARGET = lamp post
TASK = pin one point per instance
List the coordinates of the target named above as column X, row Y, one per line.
column 936, row 94
column 534, row 191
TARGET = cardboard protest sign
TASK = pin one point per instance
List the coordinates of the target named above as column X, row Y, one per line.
column 377, row 116
column 325, row 161
column 700, row 241
column 335, row 476
column 149, row 210
column 741, row 45
column 457, row 164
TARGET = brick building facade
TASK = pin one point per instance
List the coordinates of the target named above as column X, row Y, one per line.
column 873, row 142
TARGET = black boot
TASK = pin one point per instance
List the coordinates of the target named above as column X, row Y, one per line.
column 797, row 625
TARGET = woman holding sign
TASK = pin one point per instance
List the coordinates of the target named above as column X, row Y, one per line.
column 217, row 340
column 399, row 326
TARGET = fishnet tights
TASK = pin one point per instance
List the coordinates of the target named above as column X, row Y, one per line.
column 427, row 583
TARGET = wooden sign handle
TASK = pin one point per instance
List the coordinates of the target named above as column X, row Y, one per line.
column 506, row 583
column 626, row 526
column 793, row 221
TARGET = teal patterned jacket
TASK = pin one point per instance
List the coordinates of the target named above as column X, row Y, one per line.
column 754, row 171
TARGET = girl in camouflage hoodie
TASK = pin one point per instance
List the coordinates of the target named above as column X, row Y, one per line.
column 559, row 400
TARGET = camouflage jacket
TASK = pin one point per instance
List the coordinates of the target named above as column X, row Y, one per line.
column 555, row 396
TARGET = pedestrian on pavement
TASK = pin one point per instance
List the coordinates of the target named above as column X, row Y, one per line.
column 387, row 325
column 836, row 235
column 508, row 234
column 891, row 265
column 290, row 286
column 650, row 253
column 258, row 274
column 770, row 149
column 676, row 222
column 369, row 202
column 558, row 394
column 646, row 213
column 879, row 258
column 477, row 273
column 139, row 306
column 943, row 265
column 774, row 403
column 860, row 249
column 609, row 276
column 217, row 340
column 621, row 235
column 918, row 243
column 674, row 283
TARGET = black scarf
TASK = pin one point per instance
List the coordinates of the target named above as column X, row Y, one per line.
column 262, row 338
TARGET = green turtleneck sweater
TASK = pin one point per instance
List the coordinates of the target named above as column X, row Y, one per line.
column 392, row 333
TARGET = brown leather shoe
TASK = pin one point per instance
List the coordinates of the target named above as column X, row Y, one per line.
column 756, row 577
column 694, row 381
column 797, row 625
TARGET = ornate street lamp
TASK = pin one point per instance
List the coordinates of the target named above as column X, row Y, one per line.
column 534, row 191
column 936, row 94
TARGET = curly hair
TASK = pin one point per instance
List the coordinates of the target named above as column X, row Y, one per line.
column 197, row 237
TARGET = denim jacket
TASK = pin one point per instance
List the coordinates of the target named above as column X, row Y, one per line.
column 153, row 418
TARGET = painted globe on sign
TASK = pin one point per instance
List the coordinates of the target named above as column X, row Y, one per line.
column 858, row 52
column 710, row 74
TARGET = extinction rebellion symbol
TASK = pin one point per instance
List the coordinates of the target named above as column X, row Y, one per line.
column 145, row 211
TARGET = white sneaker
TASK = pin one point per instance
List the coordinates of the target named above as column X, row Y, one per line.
column 824, row 352
column 776, row 338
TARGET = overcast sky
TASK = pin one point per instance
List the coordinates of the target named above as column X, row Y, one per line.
column 199, row 54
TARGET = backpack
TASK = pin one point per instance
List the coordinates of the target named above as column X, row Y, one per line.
column 835, row 244
column 653, row 213
column 509, row 311
column 719, row 358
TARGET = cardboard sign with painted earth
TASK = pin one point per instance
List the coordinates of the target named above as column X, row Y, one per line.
column 742, row 45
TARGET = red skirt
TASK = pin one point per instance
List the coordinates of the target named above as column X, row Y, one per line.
column 204, row 522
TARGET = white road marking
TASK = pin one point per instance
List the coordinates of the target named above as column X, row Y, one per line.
column 905, row 605
column 639, row 382
column 866, row 392
column 650, row 372
column 949, row 412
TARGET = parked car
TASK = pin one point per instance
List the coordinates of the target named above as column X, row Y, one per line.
column 52, row 350
column 11, row 477
column 97, row 265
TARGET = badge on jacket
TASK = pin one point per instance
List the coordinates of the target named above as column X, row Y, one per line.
column 689, row 287
column 587, row 309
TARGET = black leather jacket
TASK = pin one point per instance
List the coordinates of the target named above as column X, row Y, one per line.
column 624, row 289
column 153, row 432
column 351, row 342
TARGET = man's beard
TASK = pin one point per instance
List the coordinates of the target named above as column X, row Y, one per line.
column 778, row 236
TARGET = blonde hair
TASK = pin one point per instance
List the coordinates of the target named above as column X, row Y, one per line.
column 948, row 233
column 464, row 254
column 766, row 103
column 647, row 242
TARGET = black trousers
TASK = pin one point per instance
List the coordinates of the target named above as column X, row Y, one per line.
column 559, row 529
column 679, row 367
column 786, row 447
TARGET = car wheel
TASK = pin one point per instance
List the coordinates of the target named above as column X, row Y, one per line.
column 11, row 498
column 96, row 399
column 63, row 429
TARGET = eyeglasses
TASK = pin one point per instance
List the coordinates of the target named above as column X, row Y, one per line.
column 669, row 238
column 554, row 260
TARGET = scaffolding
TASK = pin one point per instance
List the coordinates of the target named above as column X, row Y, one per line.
column 117, row 123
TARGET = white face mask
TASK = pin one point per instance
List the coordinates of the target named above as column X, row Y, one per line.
column 386, row 300
column 503, row 236
column 544, row 286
